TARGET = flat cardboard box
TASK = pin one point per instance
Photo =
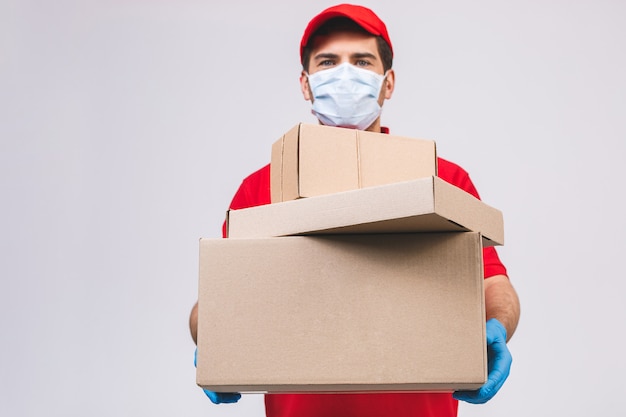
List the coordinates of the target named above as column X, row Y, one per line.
column 397, row 312
column 422, row 205
column 311, row 160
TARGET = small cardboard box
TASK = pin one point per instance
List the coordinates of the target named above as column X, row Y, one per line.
column 311, row 160
column 423, row 205
column 386, row 312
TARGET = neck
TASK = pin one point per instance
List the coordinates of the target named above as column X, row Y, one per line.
column 375, row 127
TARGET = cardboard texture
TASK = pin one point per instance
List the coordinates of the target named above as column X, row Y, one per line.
column 311, row 160
column 392, row 312
column 423, row 205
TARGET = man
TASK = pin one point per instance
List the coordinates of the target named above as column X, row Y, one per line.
column 347, row 56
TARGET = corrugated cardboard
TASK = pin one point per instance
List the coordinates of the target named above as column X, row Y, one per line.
column 311, row 160
column 423, row 205
column 379, row 312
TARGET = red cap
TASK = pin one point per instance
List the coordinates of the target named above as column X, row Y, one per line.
column 363, row 16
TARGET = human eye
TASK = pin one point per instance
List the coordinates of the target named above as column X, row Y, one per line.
column 362, row 63
column 326, row 63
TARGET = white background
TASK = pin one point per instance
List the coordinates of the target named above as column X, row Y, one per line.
column 126, row 127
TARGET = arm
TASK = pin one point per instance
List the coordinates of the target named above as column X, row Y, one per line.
column 215, row 397
column 193, row 323
column 502, row 303
column 502, row 310
column 253, row 191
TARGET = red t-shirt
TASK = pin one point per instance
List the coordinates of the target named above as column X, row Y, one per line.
column 255, row 191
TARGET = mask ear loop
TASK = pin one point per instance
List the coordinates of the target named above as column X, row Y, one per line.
column 382, row 83
column 385, row 77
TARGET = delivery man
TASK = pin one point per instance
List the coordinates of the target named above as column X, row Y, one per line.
column 347, row 75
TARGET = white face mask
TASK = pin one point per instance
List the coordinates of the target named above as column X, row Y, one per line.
column 346, row 96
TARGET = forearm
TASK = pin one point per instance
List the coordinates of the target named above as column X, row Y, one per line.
column 193, row 323
column 502, row 303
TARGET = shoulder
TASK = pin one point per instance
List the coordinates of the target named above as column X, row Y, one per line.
column 254, row 190
column 447, row 168
column 261, row 175
column 455, row 175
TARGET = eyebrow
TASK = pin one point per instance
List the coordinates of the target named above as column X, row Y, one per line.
column 356, row 55
column 325, row 56
column 363, row 55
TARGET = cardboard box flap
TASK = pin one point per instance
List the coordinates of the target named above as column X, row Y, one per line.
column 285, row 160
column 405, row 159
column 422, row 205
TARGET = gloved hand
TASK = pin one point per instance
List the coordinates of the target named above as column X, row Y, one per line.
column 499, row 363
column 218, row 397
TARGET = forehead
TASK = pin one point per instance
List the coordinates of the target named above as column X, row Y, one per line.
column 344, row 43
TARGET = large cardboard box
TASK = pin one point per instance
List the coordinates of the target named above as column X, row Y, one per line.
column 311, row 160
column 422, row 205
column 386, row 312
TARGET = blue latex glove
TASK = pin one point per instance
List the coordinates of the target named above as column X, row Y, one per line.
column 499, row 363
column 218, row 397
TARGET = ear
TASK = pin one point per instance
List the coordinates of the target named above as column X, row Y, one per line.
column 389, row 84
column 304, row 87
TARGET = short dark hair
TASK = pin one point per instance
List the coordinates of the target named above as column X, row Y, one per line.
column 344, row 24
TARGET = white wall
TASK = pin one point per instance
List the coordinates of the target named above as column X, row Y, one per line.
column 126, row 126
